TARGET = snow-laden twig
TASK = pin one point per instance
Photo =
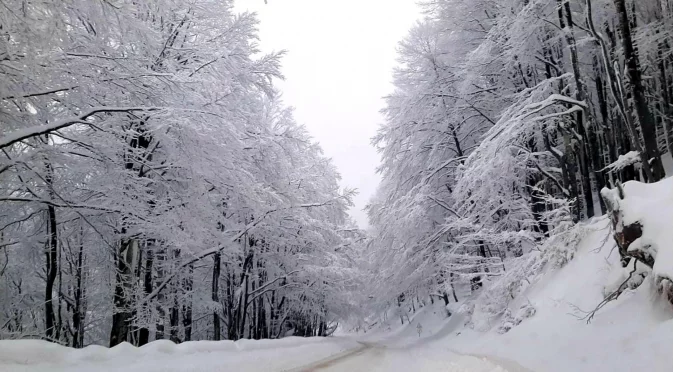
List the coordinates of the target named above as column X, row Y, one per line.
column 25, row 133
column 623, row 161
column 209, row 252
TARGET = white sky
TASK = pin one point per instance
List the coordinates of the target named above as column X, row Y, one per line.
column 338, row 67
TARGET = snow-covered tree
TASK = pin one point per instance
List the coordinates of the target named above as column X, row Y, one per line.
column 507, row 119
column 152, row 183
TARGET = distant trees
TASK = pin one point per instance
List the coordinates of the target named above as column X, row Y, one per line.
column 153, row 186
column 507, row 119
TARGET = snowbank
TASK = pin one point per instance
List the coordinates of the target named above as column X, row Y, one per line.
column 651, row 207
column 633, row 333
column 432, row 319
column 163, row 355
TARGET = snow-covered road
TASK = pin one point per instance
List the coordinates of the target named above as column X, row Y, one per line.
column 377, row 357
column 292, row 355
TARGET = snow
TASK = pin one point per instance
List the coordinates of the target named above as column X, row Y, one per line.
column 242, row 355
column 24, row 133
column 652, row 206
column 623, row 161
column 395, row 351
column 381, row 350
column 412, row 359
column 633, row 333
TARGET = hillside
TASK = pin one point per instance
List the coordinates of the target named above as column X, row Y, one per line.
column 632, row 333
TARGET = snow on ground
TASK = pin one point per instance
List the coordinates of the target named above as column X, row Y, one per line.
column 165, row 356
column 392, row 352
column 651, row 205
column 380, row 358
column 431, row 318
column 634, row 333
column 400, row 350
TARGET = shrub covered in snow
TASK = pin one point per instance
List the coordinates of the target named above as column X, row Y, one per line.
column 494, row 301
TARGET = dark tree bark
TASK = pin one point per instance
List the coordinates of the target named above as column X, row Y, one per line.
column 160, row 258
column 122, row 314
column 666, row 111
column 625, row 234
column 174, row 318
column 79, row 312
column 243, row 305
column 174, row 311
column 635, row 85
column 215, row 294
column 52, row 268
column 144, row 332
column 127, row 256
column 51, row 262
column 187, row 304
column 581, row 116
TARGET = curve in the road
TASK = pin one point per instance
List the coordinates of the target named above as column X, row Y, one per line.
column 369, row 357
column 334, row 359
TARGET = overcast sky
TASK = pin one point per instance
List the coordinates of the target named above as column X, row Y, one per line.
column 339, row 66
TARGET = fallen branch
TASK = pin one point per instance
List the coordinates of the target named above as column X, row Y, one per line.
column 611, row 297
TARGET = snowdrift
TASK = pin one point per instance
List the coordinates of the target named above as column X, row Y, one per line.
column 432, row 320
column 633, row 333
column 163, row 355
column 541, row 313
column 642, row 216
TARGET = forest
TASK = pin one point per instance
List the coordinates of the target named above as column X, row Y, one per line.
column 153, row 184
column 507, row 120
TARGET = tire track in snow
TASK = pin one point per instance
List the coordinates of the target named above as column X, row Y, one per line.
column 371, row 357
column 507, row 364
column 334, row 359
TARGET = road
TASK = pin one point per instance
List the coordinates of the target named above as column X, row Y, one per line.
column 371, row 357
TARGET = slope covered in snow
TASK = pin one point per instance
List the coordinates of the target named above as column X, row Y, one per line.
column 633, row 333
column 563, row 332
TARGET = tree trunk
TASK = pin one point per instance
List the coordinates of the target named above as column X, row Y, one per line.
column 580, row 117
column 144, row 332
column 645, row 117
column 453, row 288
column 174, row 311
column 161, row 312
column 665, row 98
column 51, row 262
column 174, row 318
column 122, row 314
column 215, row 294
column 78, row 314
column 187, row 304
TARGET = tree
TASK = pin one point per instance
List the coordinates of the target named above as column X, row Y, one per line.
column 506, row 120
column 141, row 140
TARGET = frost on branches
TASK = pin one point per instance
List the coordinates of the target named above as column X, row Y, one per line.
column 507, row 119
column 153, row 186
